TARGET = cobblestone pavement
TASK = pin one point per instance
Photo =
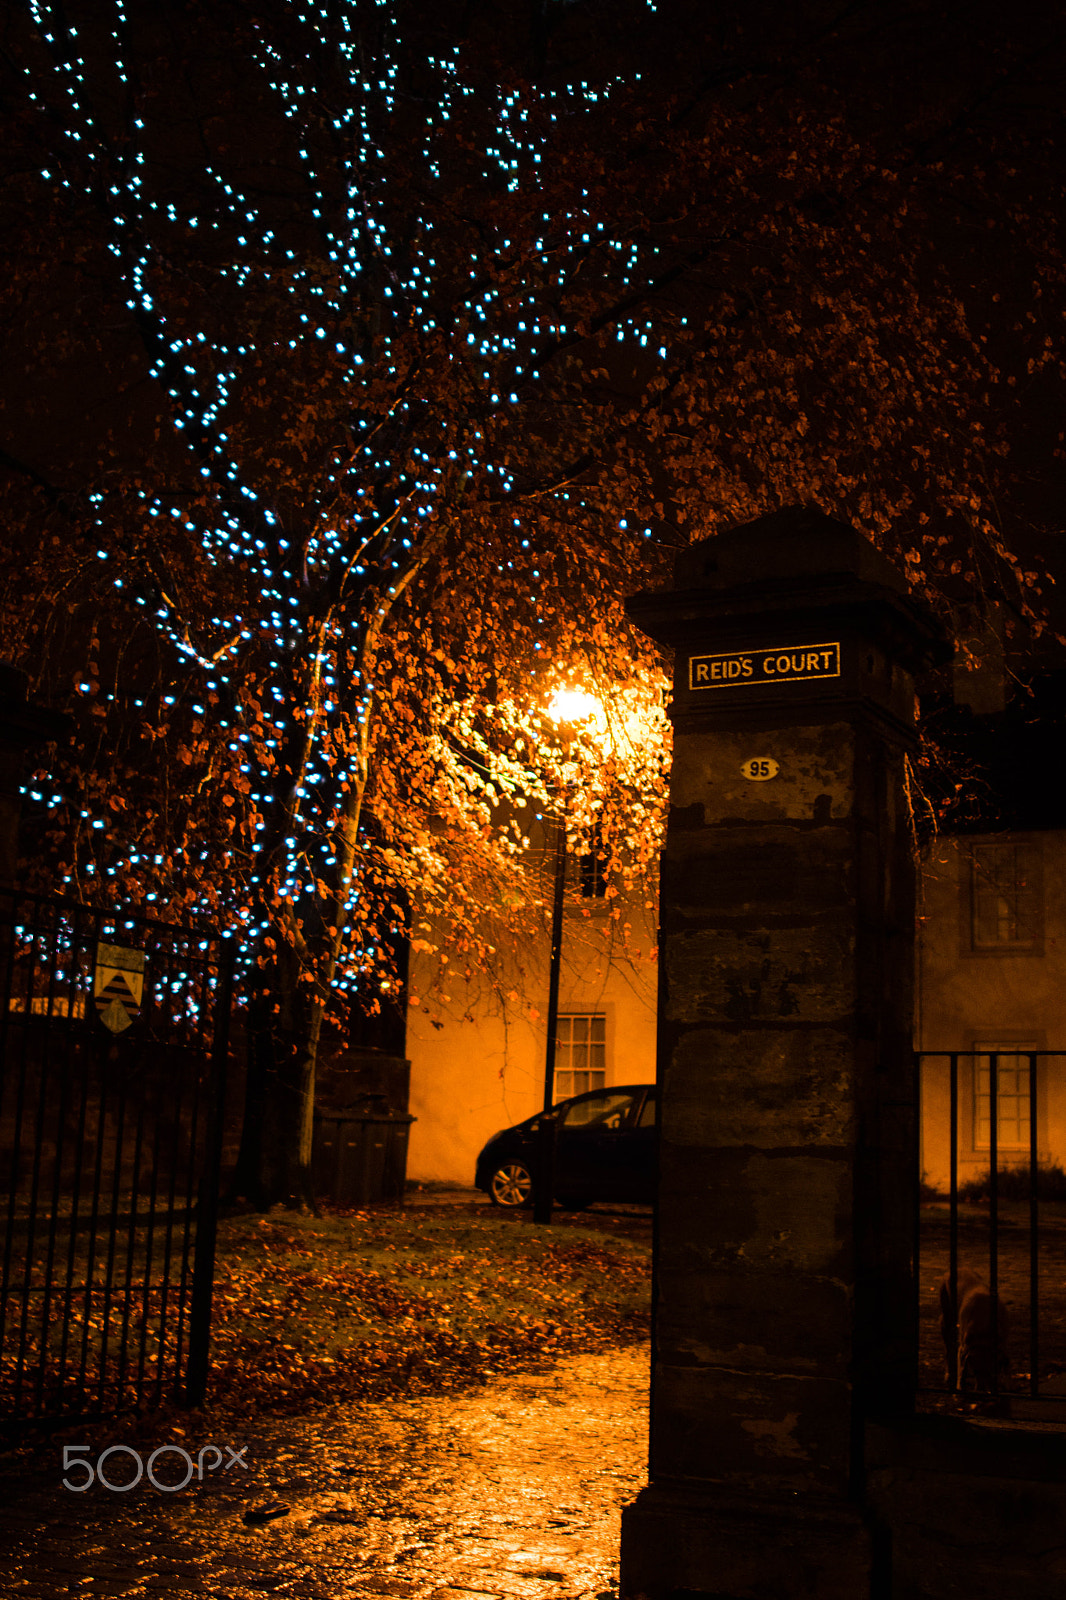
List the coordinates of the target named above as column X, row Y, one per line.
column 514, row 1491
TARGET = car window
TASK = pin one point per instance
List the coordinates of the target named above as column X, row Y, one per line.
column 647, row 1112
column 607, row 1110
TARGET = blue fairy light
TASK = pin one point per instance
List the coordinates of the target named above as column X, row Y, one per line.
column 288, row 589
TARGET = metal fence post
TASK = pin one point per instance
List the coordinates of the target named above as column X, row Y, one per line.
column 207, row 1205
column 544, row 1177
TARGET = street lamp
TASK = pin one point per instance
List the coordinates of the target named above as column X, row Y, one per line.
column 573, row 705
column 566, row 708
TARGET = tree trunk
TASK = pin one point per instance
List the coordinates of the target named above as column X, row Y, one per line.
column 274, row 1161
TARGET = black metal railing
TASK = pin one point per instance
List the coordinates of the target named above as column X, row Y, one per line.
column 113, row 1046
column 986, row 1326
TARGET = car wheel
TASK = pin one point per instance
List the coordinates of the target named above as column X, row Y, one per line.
column 568, row 1203
column 511, row 1185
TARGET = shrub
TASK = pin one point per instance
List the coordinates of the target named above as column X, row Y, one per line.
column 1014, row 1183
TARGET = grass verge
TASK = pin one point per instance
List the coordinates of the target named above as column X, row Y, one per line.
column 312, row 1310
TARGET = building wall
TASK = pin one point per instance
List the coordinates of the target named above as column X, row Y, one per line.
column 980, row 984
column 477, row 1060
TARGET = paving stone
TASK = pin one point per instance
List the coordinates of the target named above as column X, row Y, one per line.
column 490, row 1496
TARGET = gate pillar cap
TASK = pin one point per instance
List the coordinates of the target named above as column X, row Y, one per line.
column 801, row 542
column 791, row 563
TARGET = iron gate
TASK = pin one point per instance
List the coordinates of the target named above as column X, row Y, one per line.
column 1006, row 1225
column 113, row 1044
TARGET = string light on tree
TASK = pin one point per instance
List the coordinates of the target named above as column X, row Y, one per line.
column 420, row 347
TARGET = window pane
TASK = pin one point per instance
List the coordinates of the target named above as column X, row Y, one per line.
column 607, row 1110
column 1006, row 907
column 1012, row 1096
column 580, row 1052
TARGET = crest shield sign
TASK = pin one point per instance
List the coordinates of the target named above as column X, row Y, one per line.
column 118, row 985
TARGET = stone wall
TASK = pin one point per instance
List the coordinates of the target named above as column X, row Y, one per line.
column 972, row 1510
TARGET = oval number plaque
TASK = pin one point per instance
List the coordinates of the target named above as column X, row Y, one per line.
column 758, row 768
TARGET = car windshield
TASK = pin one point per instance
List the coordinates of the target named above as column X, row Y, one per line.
column 607, row 1110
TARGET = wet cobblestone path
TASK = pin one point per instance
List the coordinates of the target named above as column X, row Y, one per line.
column 514, row 1491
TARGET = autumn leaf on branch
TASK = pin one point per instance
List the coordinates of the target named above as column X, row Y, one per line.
column 399, row 356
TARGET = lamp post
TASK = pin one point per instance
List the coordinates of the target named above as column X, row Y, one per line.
column 567, row 707
column 558, row 891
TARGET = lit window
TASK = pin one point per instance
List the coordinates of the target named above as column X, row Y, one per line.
column 580, row 1055
column 594, row 867
column 586, row 874
column 1012, row 1096
column 1005, row 896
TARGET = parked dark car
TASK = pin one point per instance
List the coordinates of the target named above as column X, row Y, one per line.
column 604, row 1150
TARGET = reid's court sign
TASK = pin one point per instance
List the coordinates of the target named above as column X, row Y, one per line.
column 788, row 663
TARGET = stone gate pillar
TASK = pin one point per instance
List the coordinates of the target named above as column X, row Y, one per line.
column 784, row 1306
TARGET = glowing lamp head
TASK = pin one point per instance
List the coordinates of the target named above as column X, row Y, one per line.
column 572, row 705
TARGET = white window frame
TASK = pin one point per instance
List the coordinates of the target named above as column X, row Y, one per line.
column 1010, row 922
column 1013, row 1059
column 580, row 1063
